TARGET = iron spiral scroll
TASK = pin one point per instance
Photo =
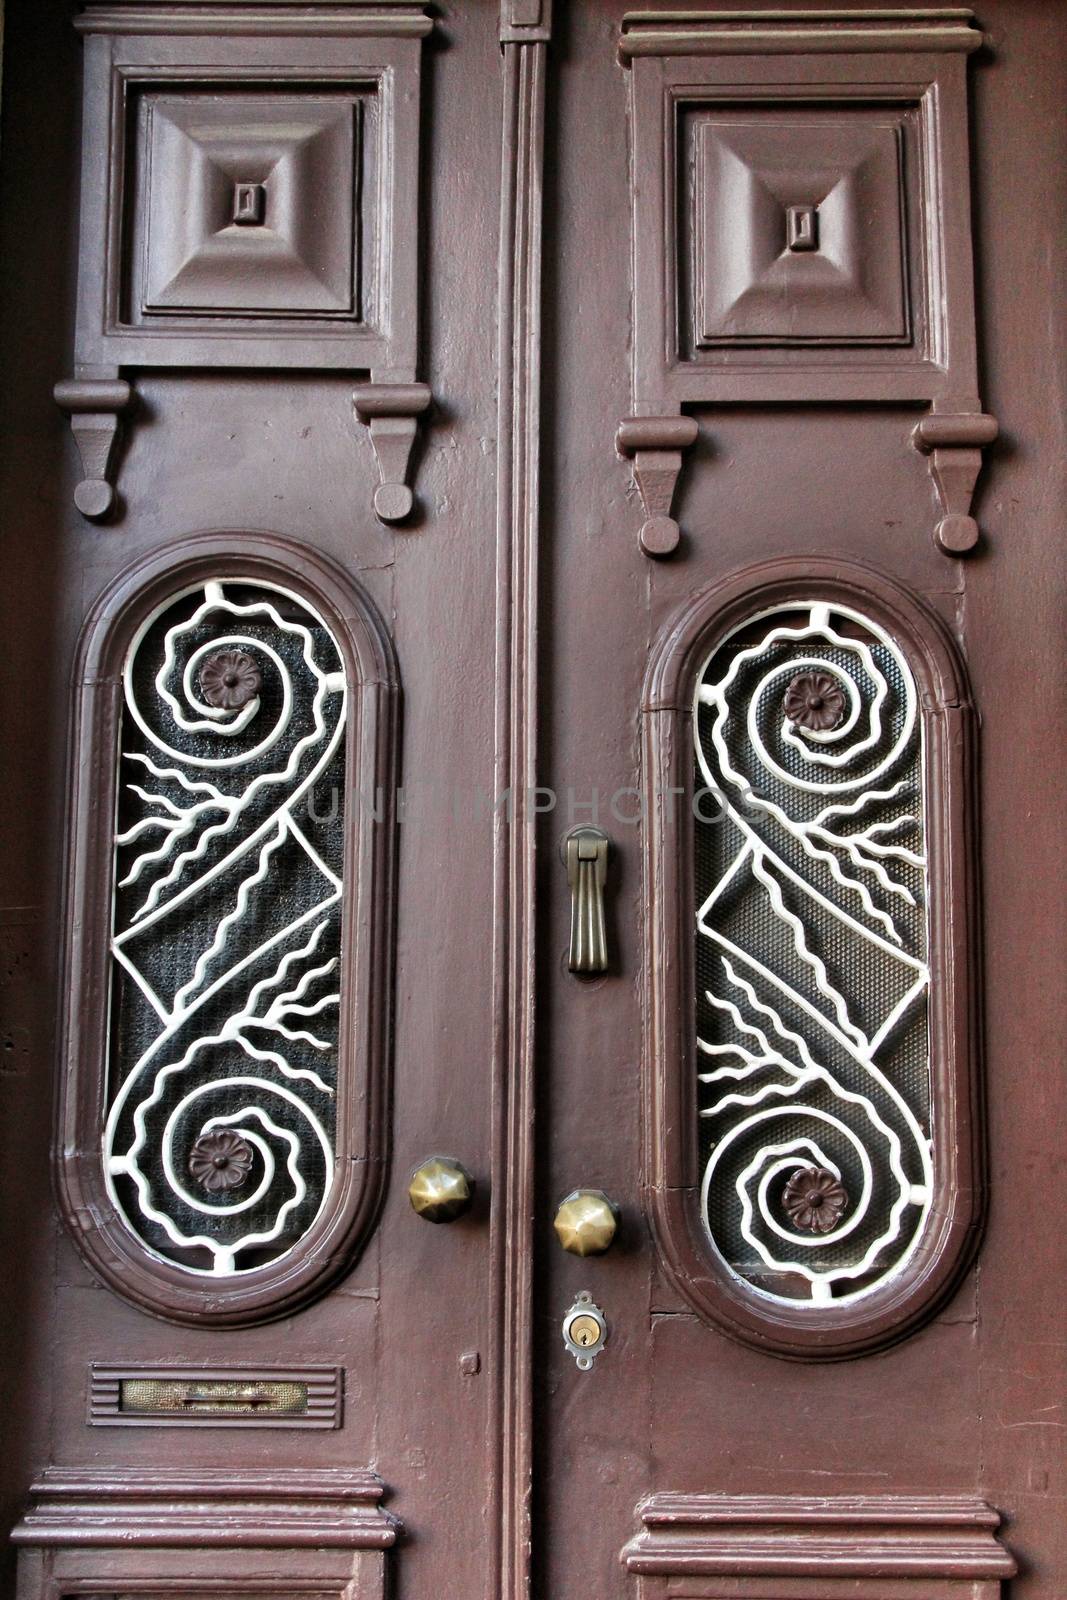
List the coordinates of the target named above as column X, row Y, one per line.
column 219, row 1143
column 812, row 969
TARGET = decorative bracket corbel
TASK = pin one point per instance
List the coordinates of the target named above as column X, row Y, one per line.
column 954, row 442
column 655, row 446
column 94, row 406
column 390, row 411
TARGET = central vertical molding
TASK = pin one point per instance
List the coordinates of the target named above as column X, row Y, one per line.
column 524, row 43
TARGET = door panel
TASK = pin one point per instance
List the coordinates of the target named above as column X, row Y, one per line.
column 280, row 454
column 717, row 1445
column 673, row 1408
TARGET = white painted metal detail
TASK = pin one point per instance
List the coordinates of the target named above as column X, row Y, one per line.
column 811, row 958
column 226, row 931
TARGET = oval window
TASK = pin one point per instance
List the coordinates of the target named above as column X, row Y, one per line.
column 229, row 1065
column 828, row 1054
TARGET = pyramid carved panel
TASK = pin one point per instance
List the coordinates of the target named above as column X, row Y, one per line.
column 799, row 229
column 249, row 205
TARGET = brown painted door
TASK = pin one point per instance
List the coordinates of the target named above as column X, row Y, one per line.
column 709, row 367
column 713, row 1463
column 376, row 1324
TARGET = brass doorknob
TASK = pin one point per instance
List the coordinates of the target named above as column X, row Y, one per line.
column 586, row 1222
column 441, row 1189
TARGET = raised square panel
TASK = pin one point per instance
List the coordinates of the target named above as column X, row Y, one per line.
column 249, row 201
column 249, row 205
column 799, row 229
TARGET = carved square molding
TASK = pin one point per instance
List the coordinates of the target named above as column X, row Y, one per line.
column 799, row 230
column 802, row 231
column 249, row 200
column 247, row 208
column 811, row 206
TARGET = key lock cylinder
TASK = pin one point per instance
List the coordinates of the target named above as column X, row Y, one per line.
column 585, row 1331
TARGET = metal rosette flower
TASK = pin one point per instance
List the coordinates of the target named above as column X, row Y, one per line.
column 811, row 953
column 226, row 936
column 220, row 1159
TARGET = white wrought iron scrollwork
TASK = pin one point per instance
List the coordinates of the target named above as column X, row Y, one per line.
column 812, row 976
column 219, row 1138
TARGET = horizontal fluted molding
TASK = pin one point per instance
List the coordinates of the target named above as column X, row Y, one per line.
column 254, row 5
column 668, row 1510
column 654, row 33
column 348, row 19
column 848, row 1536
column 272, row 1508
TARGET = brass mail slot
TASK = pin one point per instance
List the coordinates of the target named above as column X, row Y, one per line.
column 280, row 1397
column 212, row 1395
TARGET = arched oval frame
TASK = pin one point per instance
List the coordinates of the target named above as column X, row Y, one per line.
column 349, row 1209
column 670, row 1165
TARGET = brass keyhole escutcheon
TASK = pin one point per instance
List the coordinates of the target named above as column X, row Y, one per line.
column 585, row 1331
column 441, row 1189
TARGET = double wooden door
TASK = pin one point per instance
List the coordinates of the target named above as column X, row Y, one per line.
column 532, row 914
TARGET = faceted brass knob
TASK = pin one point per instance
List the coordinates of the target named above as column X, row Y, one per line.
column 586, row 1222
column 441, row 1189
